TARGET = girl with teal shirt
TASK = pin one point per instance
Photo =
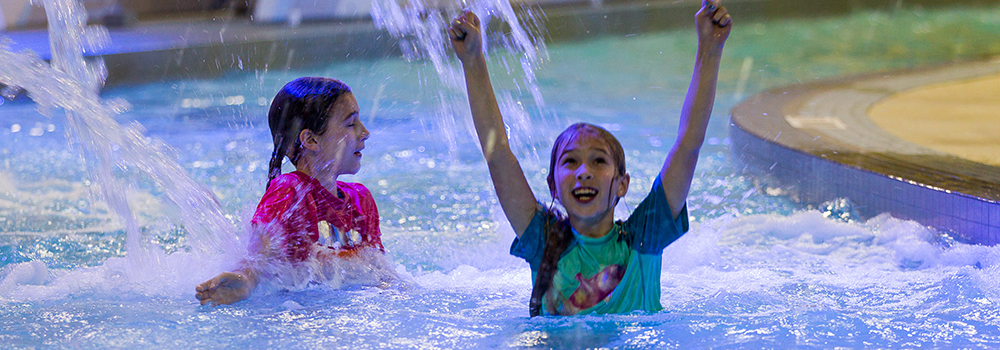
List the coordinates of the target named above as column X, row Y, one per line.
column 585, row 262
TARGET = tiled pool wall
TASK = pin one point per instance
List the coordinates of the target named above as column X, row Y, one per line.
column 813, row 180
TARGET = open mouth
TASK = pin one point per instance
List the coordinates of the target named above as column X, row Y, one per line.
column 584, row 194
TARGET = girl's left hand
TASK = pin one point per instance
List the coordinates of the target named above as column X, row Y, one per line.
column 713, row 23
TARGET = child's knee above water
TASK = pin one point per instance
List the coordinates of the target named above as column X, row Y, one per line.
column 307, row 215
column 585, row 262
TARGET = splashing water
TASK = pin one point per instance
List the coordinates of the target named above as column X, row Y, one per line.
column 421, row 28
column 72, row 84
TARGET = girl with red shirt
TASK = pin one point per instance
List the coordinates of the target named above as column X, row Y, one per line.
column 315, row 123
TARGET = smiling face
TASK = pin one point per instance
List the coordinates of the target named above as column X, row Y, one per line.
column 587, row 179
column 339, row 148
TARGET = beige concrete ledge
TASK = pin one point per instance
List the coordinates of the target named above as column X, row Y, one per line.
column 820, row 142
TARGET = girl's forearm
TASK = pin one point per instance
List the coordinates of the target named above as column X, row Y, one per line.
column 699, row 101
column 485, row 111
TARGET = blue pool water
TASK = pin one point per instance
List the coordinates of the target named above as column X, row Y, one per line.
column 755, row 271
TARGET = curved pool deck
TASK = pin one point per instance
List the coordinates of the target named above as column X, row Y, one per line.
column 920, row 144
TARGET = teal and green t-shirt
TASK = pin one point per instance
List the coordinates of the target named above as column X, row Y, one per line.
column 617, row 273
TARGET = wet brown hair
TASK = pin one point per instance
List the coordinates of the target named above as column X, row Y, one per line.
column 303, row 103
column 559, row 234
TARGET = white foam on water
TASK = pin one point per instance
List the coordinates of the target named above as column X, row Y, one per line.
column 760, row 274
column 115, row 279
column 804, row 258
column 783, row 262
column 175, row 275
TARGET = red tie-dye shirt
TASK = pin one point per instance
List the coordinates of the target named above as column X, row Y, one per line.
column 295, row 206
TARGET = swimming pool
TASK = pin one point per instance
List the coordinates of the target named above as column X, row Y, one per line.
column 755, row 270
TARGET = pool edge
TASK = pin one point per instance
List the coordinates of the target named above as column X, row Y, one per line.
column 958, row 196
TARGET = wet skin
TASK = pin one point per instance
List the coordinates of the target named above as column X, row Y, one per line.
column 338, row 150
column 588, row 184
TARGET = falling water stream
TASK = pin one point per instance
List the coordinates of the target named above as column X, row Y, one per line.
column 72, row 84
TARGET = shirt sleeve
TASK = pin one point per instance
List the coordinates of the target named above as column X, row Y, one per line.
column 370, row 211
column 531, row 244
column 651, row 226
column 294, row 213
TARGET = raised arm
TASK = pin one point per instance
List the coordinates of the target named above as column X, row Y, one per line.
column 512, row 188
column 713, row 24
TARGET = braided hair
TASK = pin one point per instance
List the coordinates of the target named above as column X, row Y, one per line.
column 558, row 232
column 303, row 103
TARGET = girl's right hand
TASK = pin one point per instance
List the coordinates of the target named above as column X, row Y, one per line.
column 226, row 288
column 466, row 36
